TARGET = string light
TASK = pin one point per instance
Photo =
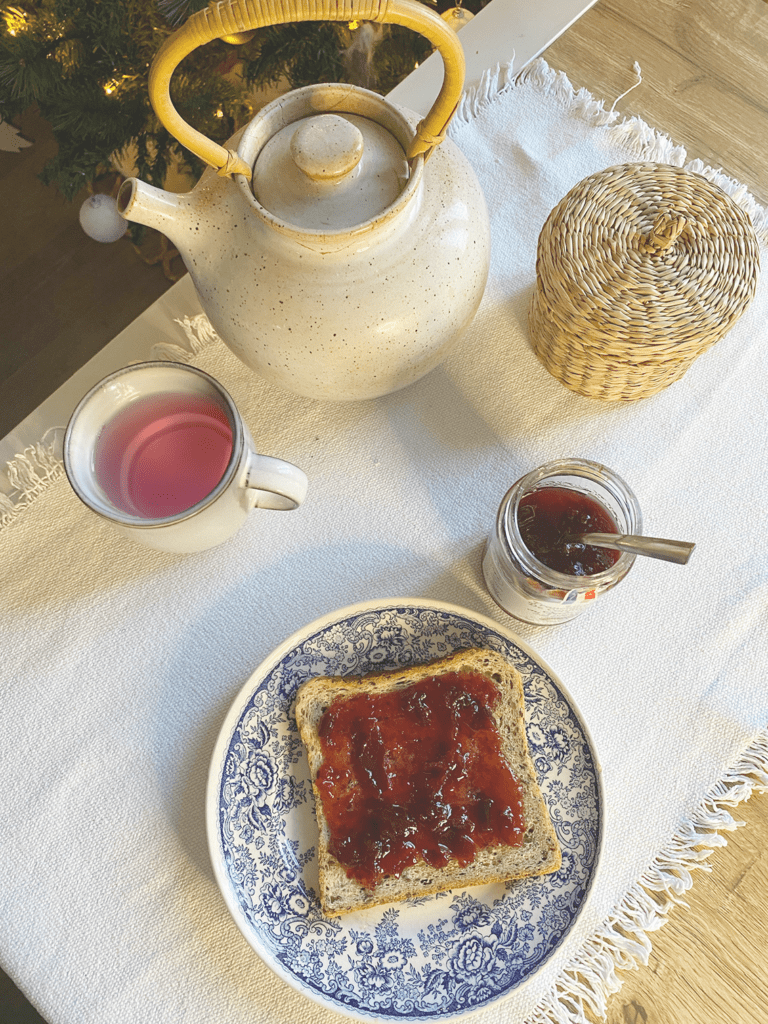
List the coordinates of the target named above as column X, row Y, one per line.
column 114, row 83
column 219, row 112
column 15, row 20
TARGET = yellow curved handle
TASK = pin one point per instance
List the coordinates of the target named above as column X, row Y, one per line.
column 229, row 17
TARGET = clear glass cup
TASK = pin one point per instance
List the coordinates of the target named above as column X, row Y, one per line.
column 521, row 584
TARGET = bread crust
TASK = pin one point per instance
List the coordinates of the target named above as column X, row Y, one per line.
column 538, row 855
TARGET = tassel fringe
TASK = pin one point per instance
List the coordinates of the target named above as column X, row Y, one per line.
column 632, row 133
column 622, row 944
column 199, row 334
column 30, row 473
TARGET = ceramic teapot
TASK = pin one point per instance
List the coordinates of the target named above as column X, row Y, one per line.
column 339, row 245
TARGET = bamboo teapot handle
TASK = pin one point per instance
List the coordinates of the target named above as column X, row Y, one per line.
column 231, row 17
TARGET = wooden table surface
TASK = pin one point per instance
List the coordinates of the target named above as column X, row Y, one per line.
column 704, row 67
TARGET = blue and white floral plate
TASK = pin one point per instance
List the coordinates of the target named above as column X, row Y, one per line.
column 432, row 958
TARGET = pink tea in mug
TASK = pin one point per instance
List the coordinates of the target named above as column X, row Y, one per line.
column 162, row 454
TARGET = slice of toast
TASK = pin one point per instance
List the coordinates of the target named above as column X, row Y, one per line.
column 538, row 852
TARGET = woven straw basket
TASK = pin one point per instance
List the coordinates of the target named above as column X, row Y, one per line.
column 640, row 269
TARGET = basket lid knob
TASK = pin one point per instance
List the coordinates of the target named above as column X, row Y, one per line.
column 667, row 228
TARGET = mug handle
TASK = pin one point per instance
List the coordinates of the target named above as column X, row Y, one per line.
column 275, row 484
column 232, row 17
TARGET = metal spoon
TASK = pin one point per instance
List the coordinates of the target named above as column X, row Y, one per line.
column 655, row 547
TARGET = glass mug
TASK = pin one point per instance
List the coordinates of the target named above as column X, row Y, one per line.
column 525, row 587
column 160, row 450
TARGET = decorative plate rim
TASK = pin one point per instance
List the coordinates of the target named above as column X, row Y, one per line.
column 233, row 717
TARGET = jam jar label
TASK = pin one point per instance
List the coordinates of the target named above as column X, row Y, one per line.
column 544, row 608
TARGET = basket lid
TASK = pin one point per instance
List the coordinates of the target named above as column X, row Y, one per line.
column 650, row 245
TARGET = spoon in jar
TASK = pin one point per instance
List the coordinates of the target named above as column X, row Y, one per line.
column 655, row 547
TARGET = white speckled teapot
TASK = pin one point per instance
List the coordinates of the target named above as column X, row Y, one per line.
column 343, row 247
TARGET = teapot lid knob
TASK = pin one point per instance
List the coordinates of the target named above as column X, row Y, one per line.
column 327, row 147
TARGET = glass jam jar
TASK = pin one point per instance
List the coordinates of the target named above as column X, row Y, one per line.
column 521, row 584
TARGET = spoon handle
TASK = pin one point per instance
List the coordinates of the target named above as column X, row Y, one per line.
column 655, row 547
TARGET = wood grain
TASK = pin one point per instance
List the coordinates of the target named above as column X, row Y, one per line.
column 708, row 964
column 705, row 74
column 705, row 84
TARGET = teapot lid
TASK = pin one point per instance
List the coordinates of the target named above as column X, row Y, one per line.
column 330, row 171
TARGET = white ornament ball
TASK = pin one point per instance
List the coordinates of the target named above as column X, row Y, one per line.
column 100, row 220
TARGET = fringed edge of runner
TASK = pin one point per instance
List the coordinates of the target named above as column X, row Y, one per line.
column 200, row 335
column 30, row 473
column 590, row 978
column 641, row 140
column 33, row 470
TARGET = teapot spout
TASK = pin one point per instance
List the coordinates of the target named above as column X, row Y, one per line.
column 167, row 212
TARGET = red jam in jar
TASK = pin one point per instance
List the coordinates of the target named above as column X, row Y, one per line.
column 416, row 775
column 548, row 519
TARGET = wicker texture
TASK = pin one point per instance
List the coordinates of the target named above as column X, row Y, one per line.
column 640, row 269
column 232, row 19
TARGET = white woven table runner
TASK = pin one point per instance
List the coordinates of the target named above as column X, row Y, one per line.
column 119, row 664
